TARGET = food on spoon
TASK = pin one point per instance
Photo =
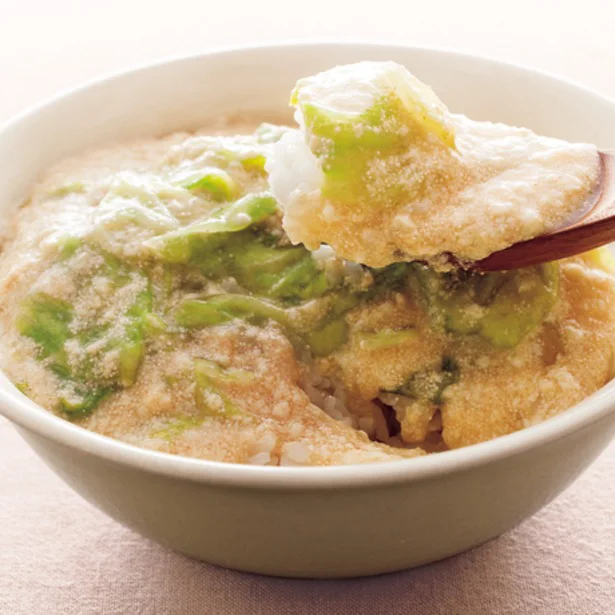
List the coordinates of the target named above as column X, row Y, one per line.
column 383, row 172
column 150, row 293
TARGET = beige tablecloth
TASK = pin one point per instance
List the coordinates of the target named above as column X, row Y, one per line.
column 60, row 556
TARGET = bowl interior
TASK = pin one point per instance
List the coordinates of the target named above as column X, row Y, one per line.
column 182, row 94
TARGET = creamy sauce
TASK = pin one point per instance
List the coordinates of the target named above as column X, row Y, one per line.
column 94, row 198
column 272, row 403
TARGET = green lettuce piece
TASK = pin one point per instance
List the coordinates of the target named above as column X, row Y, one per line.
column 375, row 105
column 131, row 356
column 322, row 336
column 255, row 258
column 132, row 344
column 216, row 182
column 46, row 321
column 176, row 427
column 224, row 245
column 250, row 152
column 360, row 114
column 255, row 164
column 385, row 338
column 302, row 281
column 327, row 339
column 206, row 387
column 196, row 313
column 196, row 241
column 521, row 305
column 22, row 387
column 83, row 401
column 153, row 324
column 267, row 133
column 218, row 374
column 501, row 307
column 68, row 246
column 210, row 379
column 286, row 273
column 390, row 278
column 218, row 309
column 429, row 385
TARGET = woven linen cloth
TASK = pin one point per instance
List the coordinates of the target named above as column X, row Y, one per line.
column 59, row 555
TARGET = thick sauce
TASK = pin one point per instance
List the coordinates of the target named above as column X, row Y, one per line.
column 117, row 313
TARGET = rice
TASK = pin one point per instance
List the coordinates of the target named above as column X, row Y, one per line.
column 264, row 451
column 328, row 394
column 294, row 454
column 293, row 169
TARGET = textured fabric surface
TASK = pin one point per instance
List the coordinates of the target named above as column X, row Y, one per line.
column 60, row 555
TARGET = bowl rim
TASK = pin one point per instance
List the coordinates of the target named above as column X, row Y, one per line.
column 22, row 411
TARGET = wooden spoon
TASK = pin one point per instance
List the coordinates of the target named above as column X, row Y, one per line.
column 590, row 228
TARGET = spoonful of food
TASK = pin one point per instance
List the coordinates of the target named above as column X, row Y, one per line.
column 593, row 226
column 380, row 170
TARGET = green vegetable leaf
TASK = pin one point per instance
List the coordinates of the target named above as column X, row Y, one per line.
column 429, row 385
column 210, row 398
column 329, row 338
column 195, row 242
column 218, row 309
column 218, row 183
column 385, row 338
column 501, row 307
column 46, row 321
column 83, row 401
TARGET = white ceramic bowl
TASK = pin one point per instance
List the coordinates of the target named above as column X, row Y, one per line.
column 310, row 522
